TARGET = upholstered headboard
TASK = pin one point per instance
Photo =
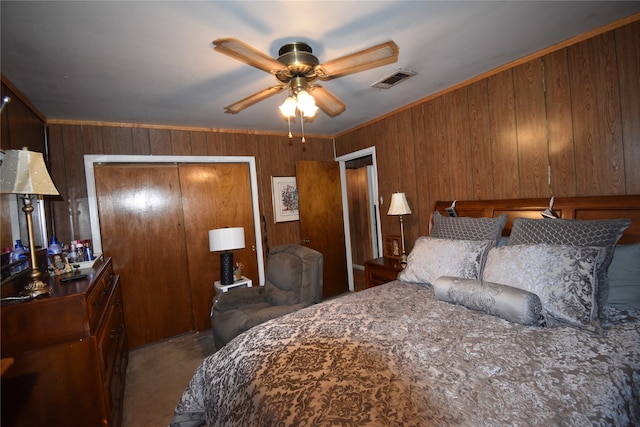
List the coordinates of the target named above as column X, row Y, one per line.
column 597, row 207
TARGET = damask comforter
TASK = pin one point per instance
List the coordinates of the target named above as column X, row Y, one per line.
column 396, row 355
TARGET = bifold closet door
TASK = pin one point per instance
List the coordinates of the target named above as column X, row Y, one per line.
column 215, row 195
column 142, row 228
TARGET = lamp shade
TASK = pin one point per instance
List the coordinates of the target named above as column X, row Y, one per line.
column 225, row 239
column 24, row 172
column 399, row 205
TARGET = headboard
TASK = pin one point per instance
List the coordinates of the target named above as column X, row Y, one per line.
column 588, row 208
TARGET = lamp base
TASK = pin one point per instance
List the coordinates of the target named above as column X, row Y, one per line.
column 226, row 268
column 36, row 287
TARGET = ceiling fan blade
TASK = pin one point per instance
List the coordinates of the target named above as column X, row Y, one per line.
column 236, row 107
column 327, row 101
column 247, row 54
column 382, row 54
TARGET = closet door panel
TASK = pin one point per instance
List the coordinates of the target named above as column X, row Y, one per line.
column 142, row 228
column 215, row 196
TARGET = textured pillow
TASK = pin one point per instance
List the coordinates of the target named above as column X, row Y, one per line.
column 512, row 304
column 431, row 258
column 624, row 276
column 602, row 233
column 565, row 278
column 467, row 228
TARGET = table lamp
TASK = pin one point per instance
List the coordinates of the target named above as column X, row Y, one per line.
column 399, row 206
column 226, row 239
column 24, row 172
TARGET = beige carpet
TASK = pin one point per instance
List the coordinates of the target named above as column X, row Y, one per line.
column 158, row 374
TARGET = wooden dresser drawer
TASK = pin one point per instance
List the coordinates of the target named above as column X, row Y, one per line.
column 99, row 295
column 109, row 335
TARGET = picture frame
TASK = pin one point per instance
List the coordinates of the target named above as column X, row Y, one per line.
column 285, row 198
column 392, row 247
column 59, row 264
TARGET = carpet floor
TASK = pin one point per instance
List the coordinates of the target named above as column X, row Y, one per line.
column 158, row 374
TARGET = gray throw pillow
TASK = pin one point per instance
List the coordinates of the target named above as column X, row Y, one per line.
column 600, row 233
column 509, row 303
column 431, row 258
column 624, row 276
column 565, row 278
column 468, row 228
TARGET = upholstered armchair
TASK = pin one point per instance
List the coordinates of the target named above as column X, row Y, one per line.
column 293, row 281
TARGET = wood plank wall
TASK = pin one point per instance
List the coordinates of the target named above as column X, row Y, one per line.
column 275, row 156
column 574, row 111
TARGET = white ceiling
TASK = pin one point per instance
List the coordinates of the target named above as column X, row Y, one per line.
column 152, row 62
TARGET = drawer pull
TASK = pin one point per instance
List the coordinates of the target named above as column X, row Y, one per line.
column 113, row 335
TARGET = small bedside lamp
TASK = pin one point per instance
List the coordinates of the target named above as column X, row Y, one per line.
column 399, row 206
column 226, row 239
column 24, row 172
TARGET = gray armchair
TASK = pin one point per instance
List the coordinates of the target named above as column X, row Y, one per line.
column 293, row 281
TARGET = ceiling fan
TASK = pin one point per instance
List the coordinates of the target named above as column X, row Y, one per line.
column 297, row 69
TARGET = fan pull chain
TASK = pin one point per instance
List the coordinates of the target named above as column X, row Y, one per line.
column 289, row 122
column 302, row 125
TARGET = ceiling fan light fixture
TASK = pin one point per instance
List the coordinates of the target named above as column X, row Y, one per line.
column 288, row 107
column 306, row 104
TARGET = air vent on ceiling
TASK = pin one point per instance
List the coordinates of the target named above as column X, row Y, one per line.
column 393, row 79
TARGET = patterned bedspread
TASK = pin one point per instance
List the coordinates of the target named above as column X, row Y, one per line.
column 395, row 355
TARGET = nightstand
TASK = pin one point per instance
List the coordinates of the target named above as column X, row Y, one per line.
column 381, row 270
column 224, row 288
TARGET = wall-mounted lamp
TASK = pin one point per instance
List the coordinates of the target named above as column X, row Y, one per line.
column 24, row 172
column 399, row 206
column 226, row 239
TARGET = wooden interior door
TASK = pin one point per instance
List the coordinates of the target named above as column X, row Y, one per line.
column 215, row 195
column 321, row 222
column 142, row 228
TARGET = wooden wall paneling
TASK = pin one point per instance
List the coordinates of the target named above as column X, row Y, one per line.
column 159, row 142
column 504, row 148
column 25, row 128
column 457, row 142
column 627, row 47
column 92, row 140
column 199, row 143
column 76, row 197
column 141, row 143
column 117, row 140
column 480, row 141
column 59, row 207
column 559, row 124
column 421, row 175
column 404, row 123
column 596, row 116
column 437, row 152
column 180, row 142
column 389, row 167
column 531, row 120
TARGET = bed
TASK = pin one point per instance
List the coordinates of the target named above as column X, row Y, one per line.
column 478, row 330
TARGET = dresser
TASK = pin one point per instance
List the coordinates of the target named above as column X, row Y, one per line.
column 381, row 270
column 69, row 353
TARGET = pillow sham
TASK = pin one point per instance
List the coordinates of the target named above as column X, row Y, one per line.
column 468, row 228
column 431, row 258
column 565, row 278
column 624, row 276
column 512, row 304
column 601, row 233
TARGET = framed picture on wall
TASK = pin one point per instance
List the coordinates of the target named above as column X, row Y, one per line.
column 285, row 198
column 392, row 247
